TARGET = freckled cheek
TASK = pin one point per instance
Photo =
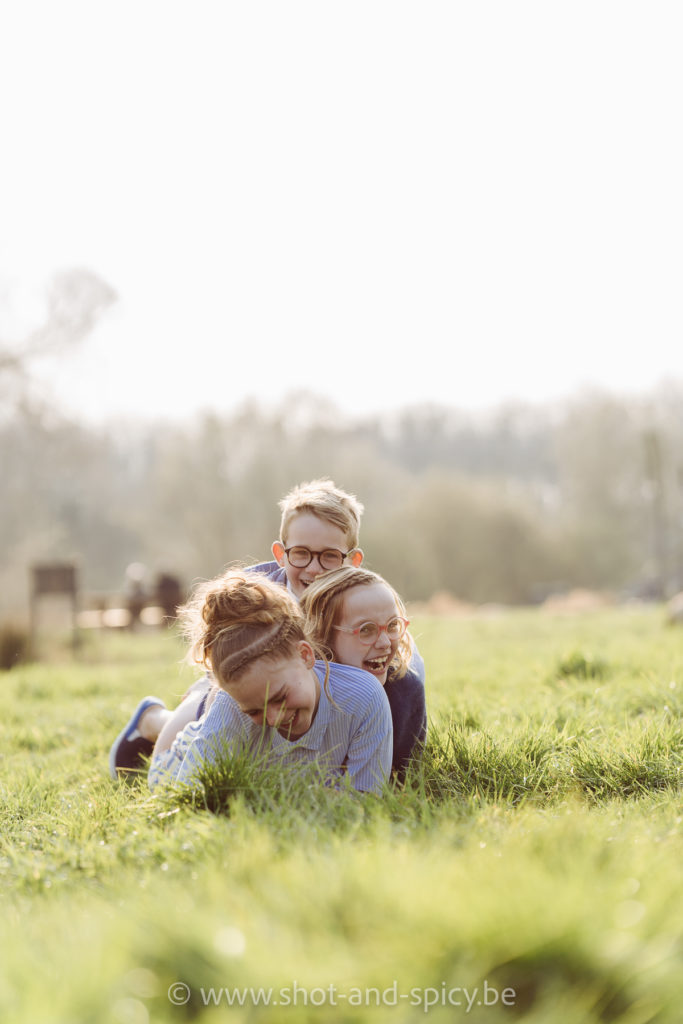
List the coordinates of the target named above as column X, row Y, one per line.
column 309, row 699
column 297, row 585
column 353, row 654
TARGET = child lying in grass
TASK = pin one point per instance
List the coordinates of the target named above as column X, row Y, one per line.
column 357, row 618
column 274, row 694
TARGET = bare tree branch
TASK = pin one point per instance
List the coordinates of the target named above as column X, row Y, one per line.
column 76, row 300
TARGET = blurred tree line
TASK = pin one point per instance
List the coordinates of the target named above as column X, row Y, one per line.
column 509, row 506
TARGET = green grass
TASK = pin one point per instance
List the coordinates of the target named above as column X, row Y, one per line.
column 536, row 847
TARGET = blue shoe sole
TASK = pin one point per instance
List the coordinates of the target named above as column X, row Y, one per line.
column 130, row 748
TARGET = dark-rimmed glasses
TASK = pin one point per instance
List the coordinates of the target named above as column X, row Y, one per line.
column 369, row 632
column 329, row 558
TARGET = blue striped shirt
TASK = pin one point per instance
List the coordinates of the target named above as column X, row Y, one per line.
column 350, row 734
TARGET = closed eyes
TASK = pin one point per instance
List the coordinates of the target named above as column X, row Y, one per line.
column 280, row 699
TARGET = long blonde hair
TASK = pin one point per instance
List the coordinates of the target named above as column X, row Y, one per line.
column 322, row 604
column 233, row 620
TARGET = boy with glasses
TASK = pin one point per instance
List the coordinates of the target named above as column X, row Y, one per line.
column 319, row 531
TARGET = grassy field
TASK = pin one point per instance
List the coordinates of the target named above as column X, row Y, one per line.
column 529, row 870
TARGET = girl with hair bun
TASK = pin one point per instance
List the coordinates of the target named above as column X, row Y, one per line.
column 274, row 691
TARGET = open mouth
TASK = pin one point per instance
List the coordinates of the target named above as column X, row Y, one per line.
column 293, row 731
column 286, row 727
column 377, row 665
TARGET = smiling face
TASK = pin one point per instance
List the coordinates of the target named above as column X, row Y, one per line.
column 281, row 693
column 368, row 603
column 309, row 531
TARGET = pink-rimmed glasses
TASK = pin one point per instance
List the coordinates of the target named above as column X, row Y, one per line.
column 369, row 632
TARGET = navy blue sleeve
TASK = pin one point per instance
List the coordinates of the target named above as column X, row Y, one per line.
column 417, row 665
column 272, row 570
column 406, row 698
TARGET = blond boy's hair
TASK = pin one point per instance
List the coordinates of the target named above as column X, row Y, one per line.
column 322, row 498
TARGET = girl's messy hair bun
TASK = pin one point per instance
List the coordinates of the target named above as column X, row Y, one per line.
column 239, row 617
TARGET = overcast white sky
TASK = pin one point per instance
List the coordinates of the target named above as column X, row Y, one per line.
column 388, row 202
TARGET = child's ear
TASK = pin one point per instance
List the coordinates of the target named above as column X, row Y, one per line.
column 307, row 653
column 356, row 557
column 278, row 552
